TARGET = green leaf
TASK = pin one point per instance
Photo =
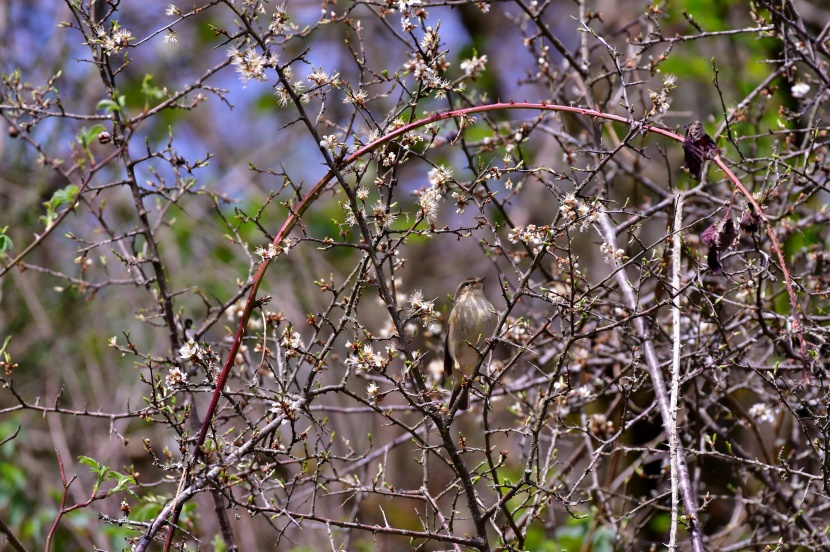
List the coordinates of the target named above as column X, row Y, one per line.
column 110, row 106
column 218, row 543
column 6, row 243
column 65, row 196
column 152, row 92
column 86, row 136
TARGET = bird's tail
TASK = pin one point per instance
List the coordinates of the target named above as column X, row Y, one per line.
column 463, row 394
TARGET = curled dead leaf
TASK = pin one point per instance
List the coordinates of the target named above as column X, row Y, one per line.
column 719, row 236
column 697, row 147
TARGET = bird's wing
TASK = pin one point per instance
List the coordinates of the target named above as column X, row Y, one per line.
column 447, row 356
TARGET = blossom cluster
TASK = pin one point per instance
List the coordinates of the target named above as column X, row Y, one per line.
column 383, row 215
column 610, row 254
column 287, row 406
column 762, row 413
column 429, row 200
column 291, row 339
column 115, row 41
column 428, row 65
column 422, row 309
column 474, row 66
column 279, row 22
column 660, row 101
column 273, row 250
column 195, row 353
column 575, row 210
column 365, row 359
column 532, row 235
column 250, row 64
column 373, row 392
column 407, row 9
column 440, row 177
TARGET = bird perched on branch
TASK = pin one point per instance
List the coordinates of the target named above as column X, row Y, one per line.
column 472, row 321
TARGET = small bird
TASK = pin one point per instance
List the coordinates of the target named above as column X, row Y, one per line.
column 472, row 321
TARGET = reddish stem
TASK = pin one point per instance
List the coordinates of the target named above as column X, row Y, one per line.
column 776, row 247
column 63, row 509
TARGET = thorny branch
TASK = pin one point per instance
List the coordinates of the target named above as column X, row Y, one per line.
column 308, row 399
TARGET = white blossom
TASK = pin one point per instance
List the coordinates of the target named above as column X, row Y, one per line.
column 404, row 5
column 366, row 359
column 574, row 210
column 762, row 413
column 383, row 216
column 421, row 308
column 189, row 350
column 286, row 407
column 799, row 90
column 175, row 377
column 373, row 392
column 474, row 66
column 251, row 64
column 115, row 42
column 272, row 250
column 291, row 339
column 279, row 22
column 428, row 201
column 609, row 254
column 283, row 97
column 320, row 78
column 440, row 176
column 357, row 97
column 530, row 234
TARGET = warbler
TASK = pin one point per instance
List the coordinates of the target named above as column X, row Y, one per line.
column 472, row 321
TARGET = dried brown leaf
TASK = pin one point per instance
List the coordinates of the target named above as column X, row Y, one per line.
column 698, row 146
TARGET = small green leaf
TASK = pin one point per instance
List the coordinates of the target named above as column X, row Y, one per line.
column 87, row 136
column 110, row 105
column 152, row 92
column 6, row 243
column 65, row 196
